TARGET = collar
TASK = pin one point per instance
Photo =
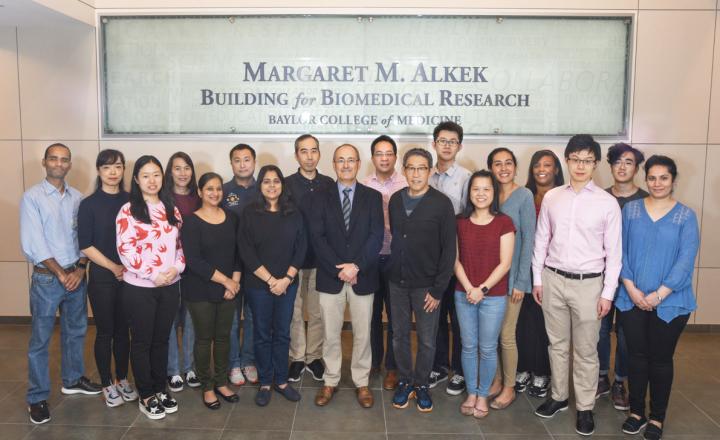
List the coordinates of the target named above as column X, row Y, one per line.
column 590, row 186
column 393, row 177
column 49, row 188
column 317, row 175
column 450, row 171
column 235, row 184
column 341, row 187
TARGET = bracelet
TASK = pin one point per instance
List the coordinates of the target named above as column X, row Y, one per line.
column 268, row 279
column 290, row 277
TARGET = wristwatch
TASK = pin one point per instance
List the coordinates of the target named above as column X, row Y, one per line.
column 291, row 278
column 485, row 290
column 82, row 266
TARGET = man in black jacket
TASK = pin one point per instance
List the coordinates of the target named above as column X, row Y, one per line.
column 347, row 233
column 422, row 222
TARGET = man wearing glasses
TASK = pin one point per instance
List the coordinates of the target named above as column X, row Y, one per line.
column 576, row 266
column 450, row 179
column 422, row 257
column 387, row 181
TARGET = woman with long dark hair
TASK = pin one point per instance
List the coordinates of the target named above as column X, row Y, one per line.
column 148, row 242
column 544, row 174
column 209, row 285
column 96, row 238
column 486, row 239
column 272, row 244
column 181, row 182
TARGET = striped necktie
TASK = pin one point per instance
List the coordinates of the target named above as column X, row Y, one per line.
column 346, row 207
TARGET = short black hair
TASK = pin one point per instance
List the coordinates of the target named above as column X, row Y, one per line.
column 582, row 142
column 109, row 157
column 240, row 147
column 383, row 138
column 302, row 138
column 617, row 150
column 56, row 144
column 494, row 206
column 418, row 152
column 663, row 161
column 492, row 154
column 448, row 126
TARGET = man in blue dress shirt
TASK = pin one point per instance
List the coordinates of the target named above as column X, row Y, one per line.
column 48, row 233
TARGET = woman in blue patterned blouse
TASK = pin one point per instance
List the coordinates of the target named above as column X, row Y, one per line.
column 660, row 242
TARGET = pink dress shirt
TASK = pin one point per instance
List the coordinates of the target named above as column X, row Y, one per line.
column 579, row 233
column 395, row 183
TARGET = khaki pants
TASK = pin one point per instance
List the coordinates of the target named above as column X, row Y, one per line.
column 507, row 367
column 306, row 346
column 570, row 310
column 332, row 308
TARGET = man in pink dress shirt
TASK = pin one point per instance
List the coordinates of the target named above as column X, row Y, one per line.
column 576, row 265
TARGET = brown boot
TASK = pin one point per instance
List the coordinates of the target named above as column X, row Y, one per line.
column 365, row 397
column 324, row 395
column 391, row 380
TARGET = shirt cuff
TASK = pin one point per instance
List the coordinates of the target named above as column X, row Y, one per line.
column 537, row 277
column 608, row 294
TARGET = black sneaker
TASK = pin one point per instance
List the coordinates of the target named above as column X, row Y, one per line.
column 175, row 383
column 539, row 386
column 82, row 386
column 522, row 380
column 633, row 426
column 153, row 409
column 295, row 371
column 456, row 385
column 39, row 412
column 652, row 432
column 603, row 388
column 167, row 401
column 191, row 379
column 436, row 377
column 316, row 369
column 551, row 407
column 585, row 425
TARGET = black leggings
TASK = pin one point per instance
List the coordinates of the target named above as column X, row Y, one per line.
column 111, row 326
column 651, row 345
column 151, row 311
column 532, row 339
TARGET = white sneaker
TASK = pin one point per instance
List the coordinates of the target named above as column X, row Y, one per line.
column 236, row 377
column 250, row 373
column 153, row 409
column 192, row 380
column 127, row 392
column 175, row 383
column 112, row 397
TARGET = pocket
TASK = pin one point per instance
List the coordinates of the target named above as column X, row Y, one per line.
column 42, row 279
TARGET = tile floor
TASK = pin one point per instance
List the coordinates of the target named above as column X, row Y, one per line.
column 694, row 412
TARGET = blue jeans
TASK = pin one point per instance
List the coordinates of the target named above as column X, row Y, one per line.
column 246, row 357
column 603, row 347
column 273, row 315
column 47, row 294
column 182, row 319
column 479, row 330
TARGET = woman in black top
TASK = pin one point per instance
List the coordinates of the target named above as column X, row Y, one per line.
column 210, row 283
column 96, row 238
column 272, row 244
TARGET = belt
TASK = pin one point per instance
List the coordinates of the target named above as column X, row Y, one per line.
column 73, row 267
column 574, row 276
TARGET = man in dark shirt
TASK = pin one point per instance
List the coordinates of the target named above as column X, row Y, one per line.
column 238, row 193
column 422, row 256
column 304, row 185
column 624, row 163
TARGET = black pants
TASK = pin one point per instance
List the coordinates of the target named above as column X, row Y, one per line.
column 651, row 345
column 151, row 311
column 532, row 339
column 404, row 302
column 377, row 344
column 442, row 350
column 212, row 322
column 112, row 337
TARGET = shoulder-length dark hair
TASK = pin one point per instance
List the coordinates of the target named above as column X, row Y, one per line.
column 138, row 206
column 285, row 205
column 559, row 179
column 109, row 157
column 170, row 183
column 494, row 206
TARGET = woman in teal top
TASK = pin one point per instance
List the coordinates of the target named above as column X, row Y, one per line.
column 660, row 242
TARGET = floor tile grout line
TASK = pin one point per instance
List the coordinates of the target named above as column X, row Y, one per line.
column 382, row 402
column 31, row 431
column 700, row 409
column 542, row 421
column 297, row 406
column 12, row 391
column 227, row 419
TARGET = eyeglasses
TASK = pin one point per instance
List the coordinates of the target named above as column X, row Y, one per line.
column 628, row 163
column 585, row 162
column 346, row 161
column 386, row 154
column 419, row 170
column 447, row 142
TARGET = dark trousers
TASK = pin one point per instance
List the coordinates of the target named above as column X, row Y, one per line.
column 272, row 315
column 377, row 344
column 151, row 311
column 212, row 322
column 112, row 336
column 442, row 352
column 651, row 345
column 404, row 302
column 532, row 339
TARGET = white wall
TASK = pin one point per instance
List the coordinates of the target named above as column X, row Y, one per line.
column 48, row 92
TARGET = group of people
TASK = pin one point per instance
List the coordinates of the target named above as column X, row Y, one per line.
column 499, row 281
